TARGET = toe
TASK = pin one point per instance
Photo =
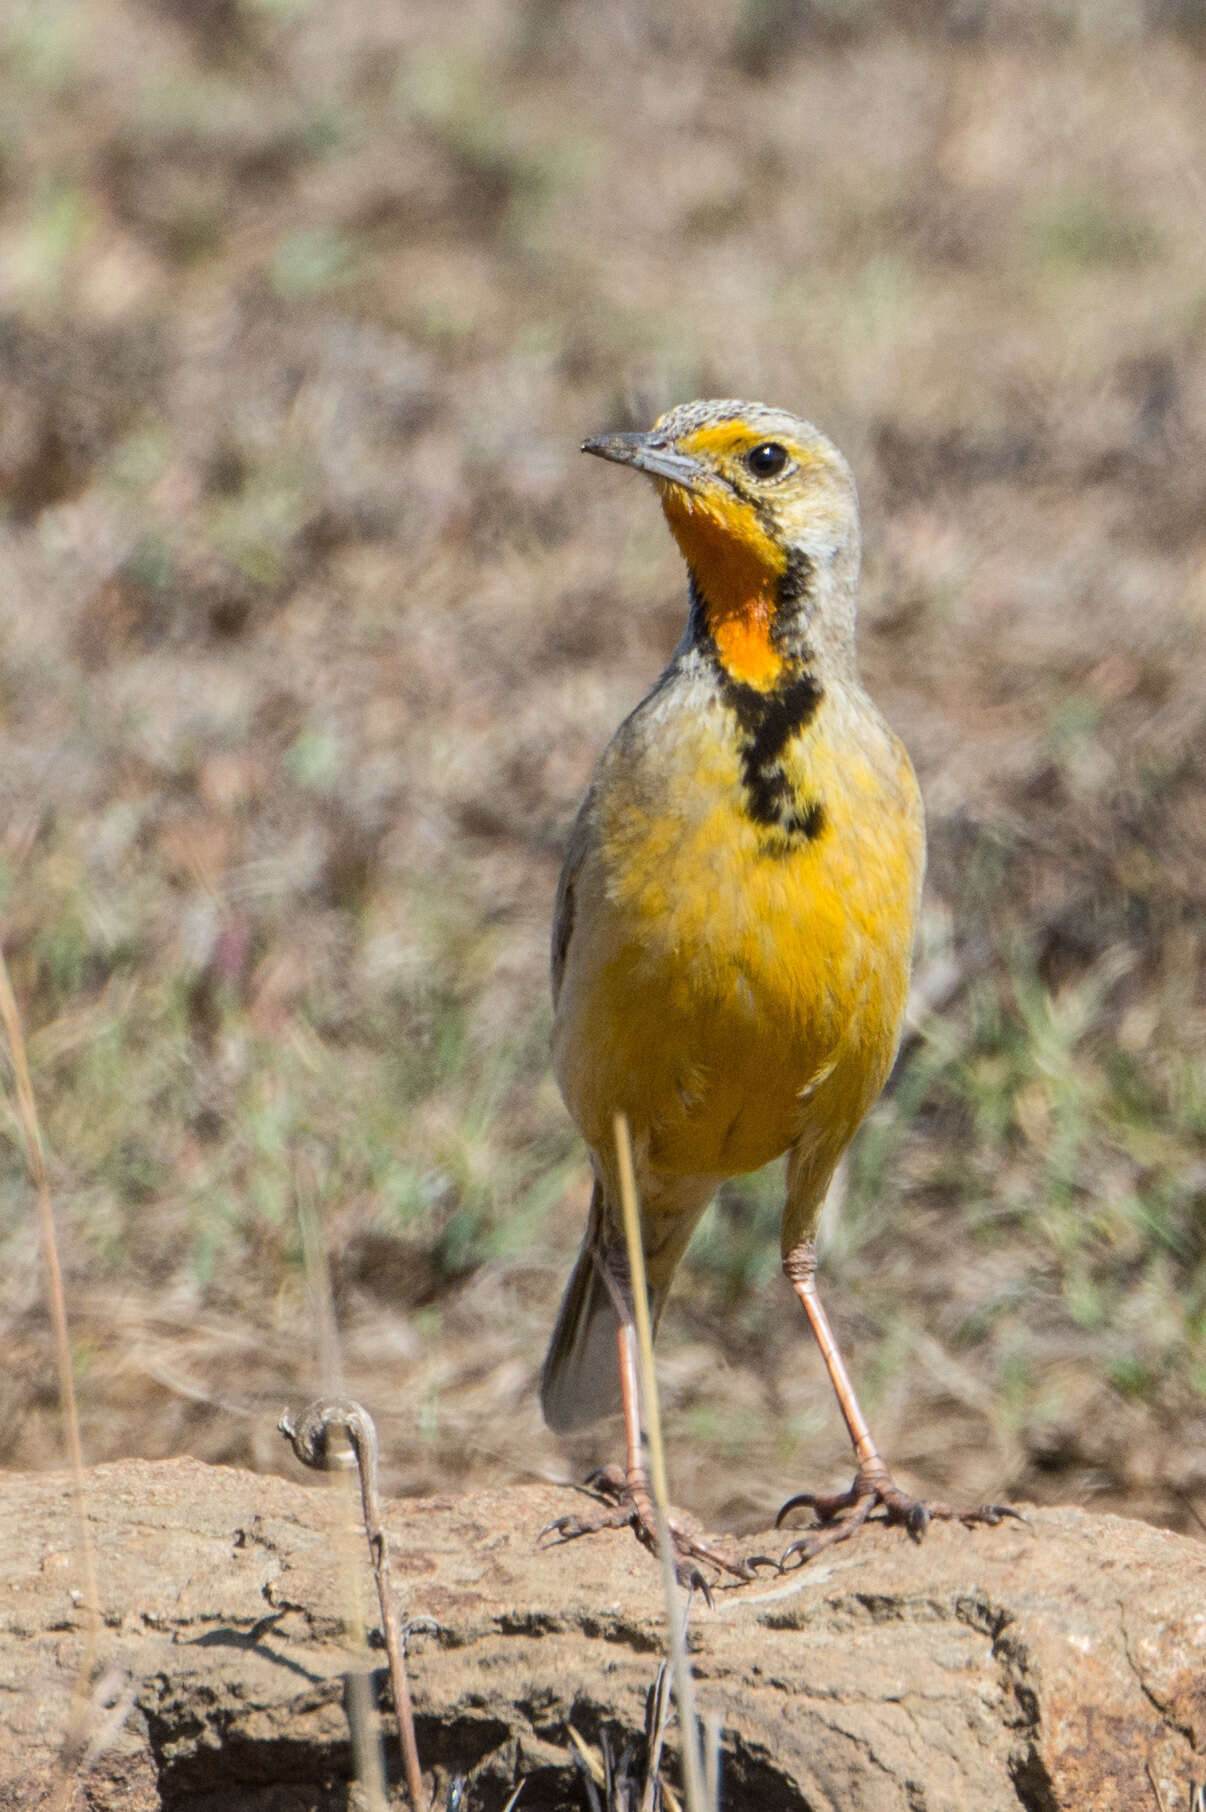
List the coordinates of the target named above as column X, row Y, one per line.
column 563, row 1529
column 993, row 1514
column 917, row 1519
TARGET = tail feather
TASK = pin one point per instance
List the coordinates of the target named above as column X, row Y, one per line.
column 581, row 1377
column 580, row 1381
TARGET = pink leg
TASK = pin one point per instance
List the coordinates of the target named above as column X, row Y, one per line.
column 841, row 1515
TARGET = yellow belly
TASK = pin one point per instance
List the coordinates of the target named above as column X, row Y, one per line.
column 735, row 999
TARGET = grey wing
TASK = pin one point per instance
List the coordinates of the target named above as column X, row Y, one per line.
column 563, row 911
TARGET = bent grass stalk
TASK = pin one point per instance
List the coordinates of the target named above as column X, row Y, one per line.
column 320, row 1437
column 684, row 1683
column 35, row 1162
column 366, row 1733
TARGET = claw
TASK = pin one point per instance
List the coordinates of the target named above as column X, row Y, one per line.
column 804, row 1500
column 569, row 1528
column 993, row 1515
column 563, row 1529
column 609, row 1481
column 626, row 1503
column 841, row 1515
column 917, row 1521
column 803, row 1548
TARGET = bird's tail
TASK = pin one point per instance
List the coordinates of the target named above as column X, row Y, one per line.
column 581, row 1377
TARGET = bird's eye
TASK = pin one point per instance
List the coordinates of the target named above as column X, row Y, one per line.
column 767, row 460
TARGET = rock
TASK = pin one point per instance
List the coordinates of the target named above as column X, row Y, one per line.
column 1057, row 1665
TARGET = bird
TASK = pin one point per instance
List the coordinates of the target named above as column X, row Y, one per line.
column 733, row 927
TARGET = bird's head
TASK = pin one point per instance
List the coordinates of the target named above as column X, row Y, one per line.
column 764, row 509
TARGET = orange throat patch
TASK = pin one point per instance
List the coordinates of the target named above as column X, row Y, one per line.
column 737, row 568
column 743, row 642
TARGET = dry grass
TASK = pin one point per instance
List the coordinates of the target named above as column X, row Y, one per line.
column 314, row 624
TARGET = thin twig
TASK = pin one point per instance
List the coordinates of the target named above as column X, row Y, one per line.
column 711, row 1725
column 657, row 1718
column 35, row 1162
column 684, row 1684
column 363, row 1720
column 309, row 1437
column 364, row 1724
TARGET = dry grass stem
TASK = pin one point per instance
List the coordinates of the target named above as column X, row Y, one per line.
column 1155, row 1786
column 589, row 1766
column 35, row 1160
column 684, row 1684
column 711, row 1747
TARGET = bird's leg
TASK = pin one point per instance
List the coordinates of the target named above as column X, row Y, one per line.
column 628, row 1493
column 839, row 1516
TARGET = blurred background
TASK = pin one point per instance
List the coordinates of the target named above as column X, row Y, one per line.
column 313, row 623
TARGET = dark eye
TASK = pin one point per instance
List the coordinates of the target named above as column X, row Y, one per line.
column 768, row 460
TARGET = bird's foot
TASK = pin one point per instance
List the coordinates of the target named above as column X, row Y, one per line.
column 843, row 1514
column 628, row 1502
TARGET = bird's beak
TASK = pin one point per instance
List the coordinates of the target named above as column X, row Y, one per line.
column 649, row 453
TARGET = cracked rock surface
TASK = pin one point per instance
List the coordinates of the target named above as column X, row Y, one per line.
column 1057, row 1665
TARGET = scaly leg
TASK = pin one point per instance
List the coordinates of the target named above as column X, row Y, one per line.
column 840, row 1516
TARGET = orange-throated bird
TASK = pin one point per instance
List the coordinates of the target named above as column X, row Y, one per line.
column 735, row 917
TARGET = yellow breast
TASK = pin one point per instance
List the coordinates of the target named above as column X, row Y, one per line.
column 733, row 992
